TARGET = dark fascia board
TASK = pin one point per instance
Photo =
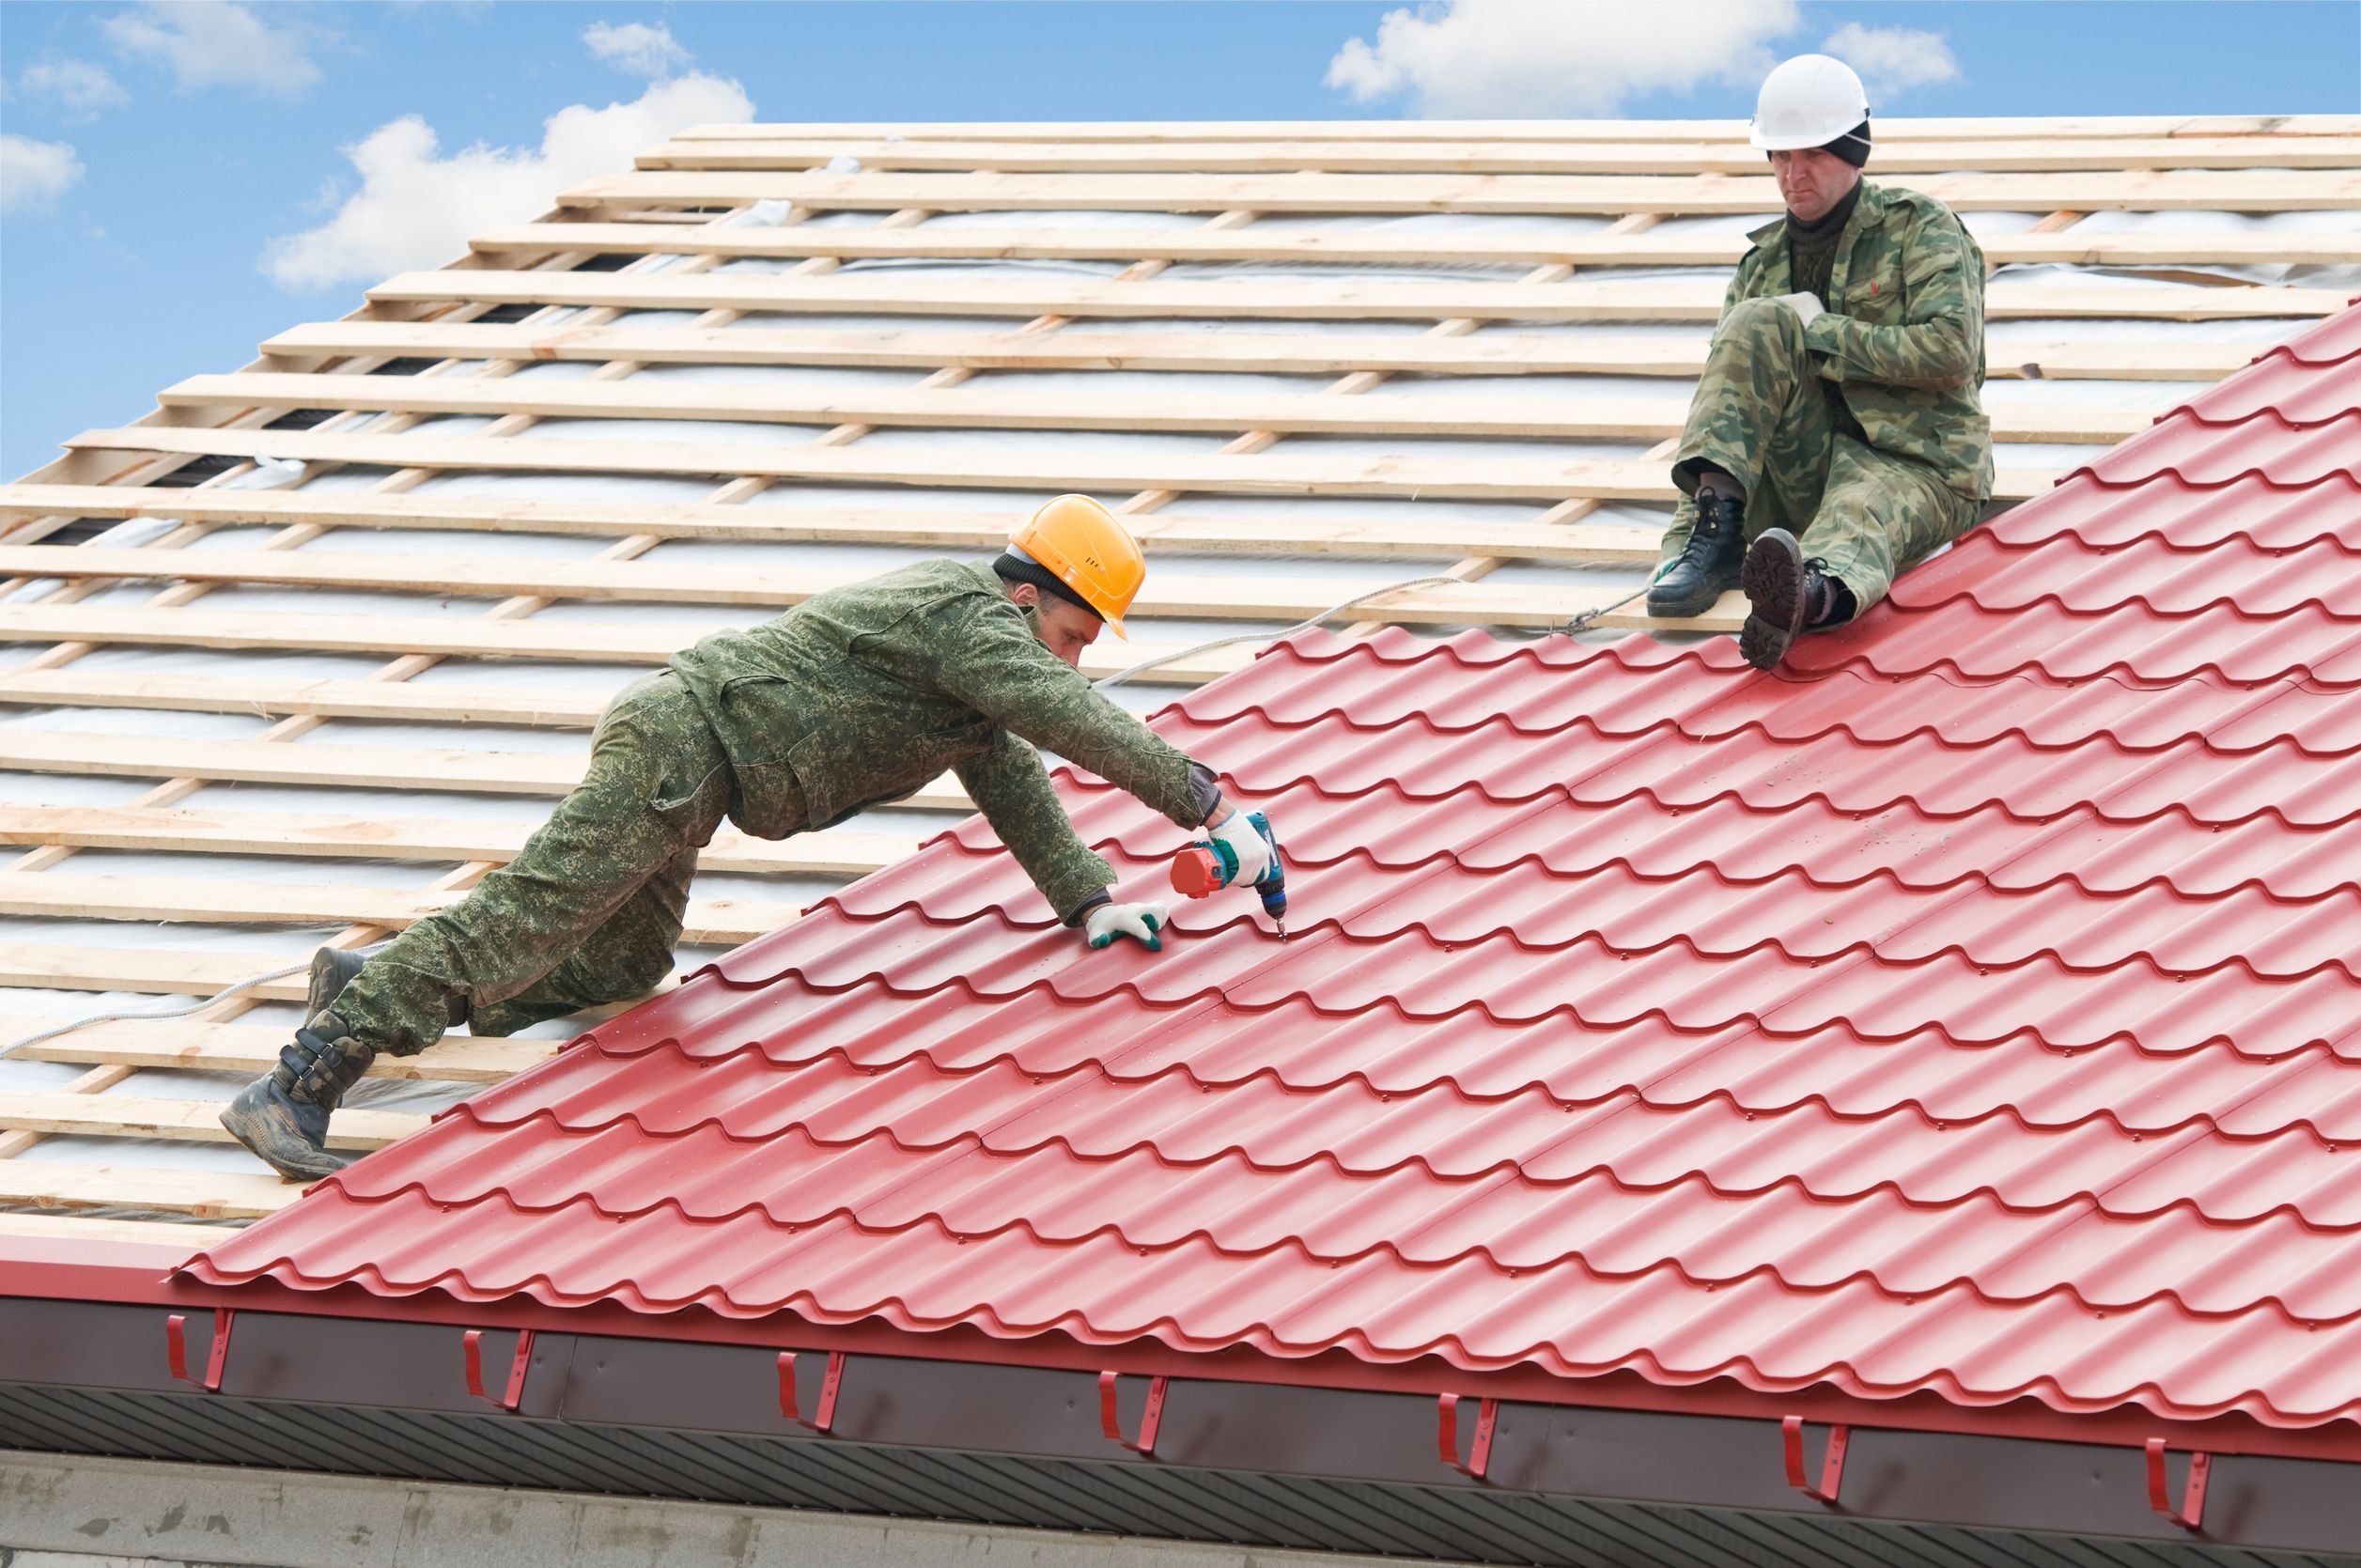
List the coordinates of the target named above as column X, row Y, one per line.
column 129, row 1273
column 330, row 1361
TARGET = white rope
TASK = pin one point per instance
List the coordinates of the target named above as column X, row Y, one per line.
column 248, row 985
column 1329, row 614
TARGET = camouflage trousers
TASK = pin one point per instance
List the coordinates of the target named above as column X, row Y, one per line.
column 1760, row 415
column 590, row 907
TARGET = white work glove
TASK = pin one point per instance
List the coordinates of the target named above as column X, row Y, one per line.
column 1807, row 307
column 1252, row 851
column 1143, row 921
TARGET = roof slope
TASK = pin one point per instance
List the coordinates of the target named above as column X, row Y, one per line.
column 1973, row 1011
column 310, row 648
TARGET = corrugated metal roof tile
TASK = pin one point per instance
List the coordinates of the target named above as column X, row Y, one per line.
column 1970, row 1009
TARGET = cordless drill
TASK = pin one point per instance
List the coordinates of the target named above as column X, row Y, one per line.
column 1210, row 864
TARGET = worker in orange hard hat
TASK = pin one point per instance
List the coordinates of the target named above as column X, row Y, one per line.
column 858, row 695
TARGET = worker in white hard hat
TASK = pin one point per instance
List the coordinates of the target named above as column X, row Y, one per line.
column 857, row 696
column 1837, row 434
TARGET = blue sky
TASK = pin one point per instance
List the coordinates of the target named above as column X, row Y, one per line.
column 178, row 183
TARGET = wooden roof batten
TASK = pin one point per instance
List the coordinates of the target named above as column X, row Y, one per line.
column 522, row 296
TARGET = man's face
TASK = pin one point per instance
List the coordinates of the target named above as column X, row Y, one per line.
column 1065, row 629
column 1811, row 181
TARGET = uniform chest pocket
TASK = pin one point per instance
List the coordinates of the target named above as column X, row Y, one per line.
column 1876, row 297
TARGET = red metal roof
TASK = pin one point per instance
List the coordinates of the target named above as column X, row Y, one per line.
column 1973, row 1009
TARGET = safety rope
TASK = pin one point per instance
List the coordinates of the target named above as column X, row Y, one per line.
column 1589, row 618
column 1329, row 614
column 12, row 1047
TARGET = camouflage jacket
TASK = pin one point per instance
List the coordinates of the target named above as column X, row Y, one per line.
column 1904, row 330
column 864, row 693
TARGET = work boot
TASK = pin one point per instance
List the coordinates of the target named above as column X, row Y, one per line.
column 333, row 968
column 1708, row 565
column 283, row 1115
column 1790, row 595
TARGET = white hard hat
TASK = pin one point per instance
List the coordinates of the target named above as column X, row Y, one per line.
column 1810, row 100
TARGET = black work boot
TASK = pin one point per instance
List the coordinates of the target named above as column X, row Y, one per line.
column 1708, row 565
column 283, row 1115
column 1790, row 595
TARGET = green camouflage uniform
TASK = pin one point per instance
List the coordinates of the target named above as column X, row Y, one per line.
column 858, row 695
column 1903, row 340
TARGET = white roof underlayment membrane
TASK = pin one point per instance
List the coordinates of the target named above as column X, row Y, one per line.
column 275, row 946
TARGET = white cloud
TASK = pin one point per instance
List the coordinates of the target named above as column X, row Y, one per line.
column 1512, row 59
column 417, row 208
column 35, row 174
column 1892, row 60
column 215, row 43
column 636, row 47
column 72, row 86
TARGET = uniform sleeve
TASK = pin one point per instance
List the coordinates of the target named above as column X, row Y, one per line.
column 1941, row 337
column 1012, row 789
column 991, row 662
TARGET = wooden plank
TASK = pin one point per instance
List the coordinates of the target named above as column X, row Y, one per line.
column 79, row 686
column 192, row 1045
column 148, row 1232
column 833, row 852
column 60, row 894
column 537, row 773
column 1376, row 246
column 1492, row 352
column 1157, row 531
column 985, row 408
column 187, row 971
column 342, row 633
column 1184, row 153
column 207, row 1194
column 167, row 971
column 2268, row 128
column 626, row 643
column 1696, row 301
column 2140, row 191
column 181, row 1121
column 1535, row 604
column 1406, row 475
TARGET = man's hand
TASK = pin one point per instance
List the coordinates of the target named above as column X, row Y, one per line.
column 1807, row 307
column 1141, row 921
column 1251, row 848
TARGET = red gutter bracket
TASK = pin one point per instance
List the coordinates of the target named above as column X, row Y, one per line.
column 831, row 1382
column 177, row 1347
column 2191, row 1516
column 1831, row 1462
column 473, row 1343
column 1447, row 1434
column 1110, row 1423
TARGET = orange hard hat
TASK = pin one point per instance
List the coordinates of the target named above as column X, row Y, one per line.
column 1080, row 542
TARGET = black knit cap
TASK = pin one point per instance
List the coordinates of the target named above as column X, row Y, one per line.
column 1014, row 566
column 1853, row 146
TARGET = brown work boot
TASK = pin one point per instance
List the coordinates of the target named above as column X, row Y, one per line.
column 283, row 1115
column 1790, row 595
